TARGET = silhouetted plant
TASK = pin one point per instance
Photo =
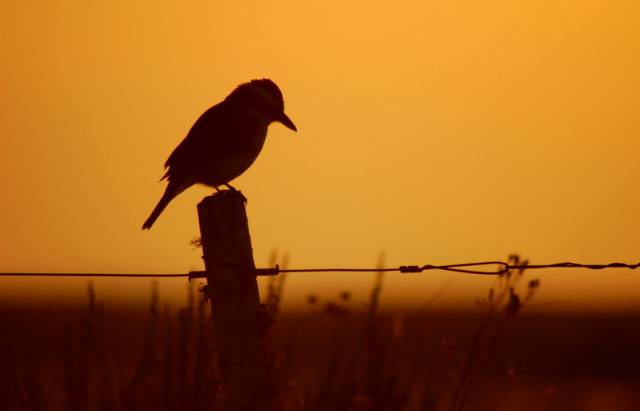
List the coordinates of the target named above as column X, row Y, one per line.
column 501, row 305
column 176, row 369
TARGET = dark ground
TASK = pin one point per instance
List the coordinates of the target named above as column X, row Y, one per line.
column 97, row 358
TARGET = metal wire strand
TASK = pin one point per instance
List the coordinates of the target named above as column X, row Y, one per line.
column 480, row 268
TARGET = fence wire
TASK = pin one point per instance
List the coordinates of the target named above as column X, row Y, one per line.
column 481, row 268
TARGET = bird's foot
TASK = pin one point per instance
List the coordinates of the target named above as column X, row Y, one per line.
column 232, row 188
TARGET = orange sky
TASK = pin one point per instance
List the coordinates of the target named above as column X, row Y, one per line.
column 437, row 132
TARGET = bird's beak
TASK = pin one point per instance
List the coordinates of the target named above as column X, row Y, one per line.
column 287, row 122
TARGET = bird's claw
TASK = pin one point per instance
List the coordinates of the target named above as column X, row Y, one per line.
column 231, row 188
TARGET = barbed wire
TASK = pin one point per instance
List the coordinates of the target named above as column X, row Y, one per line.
column 501, row 268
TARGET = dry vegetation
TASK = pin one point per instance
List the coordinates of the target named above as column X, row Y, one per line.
column 338, row 358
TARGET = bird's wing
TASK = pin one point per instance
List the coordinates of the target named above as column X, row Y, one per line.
column 212, row 137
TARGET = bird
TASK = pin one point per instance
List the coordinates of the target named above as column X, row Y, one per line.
column 224, row 141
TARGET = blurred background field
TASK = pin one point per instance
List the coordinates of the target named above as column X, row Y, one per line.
column 338, row 354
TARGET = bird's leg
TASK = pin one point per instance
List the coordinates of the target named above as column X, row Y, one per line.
column 232, row 188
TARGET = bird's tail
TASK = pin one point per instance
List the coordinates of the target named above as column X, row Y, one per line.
column 168, row 195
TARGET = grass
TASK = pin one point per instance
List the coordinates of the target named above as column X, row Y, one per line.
column 340, row 357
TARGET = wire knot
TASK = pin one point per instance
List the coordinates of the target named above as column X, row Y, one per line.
column 411, row 269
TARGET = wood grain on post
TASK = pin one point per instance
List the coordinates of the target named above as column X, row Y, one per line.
column 238, row 339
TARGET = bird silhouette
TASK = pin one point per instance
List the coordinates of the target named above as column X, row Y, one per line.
column 224, row 142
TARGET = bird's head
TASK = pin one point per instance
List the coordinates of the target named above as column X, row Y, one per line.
column 264, row 99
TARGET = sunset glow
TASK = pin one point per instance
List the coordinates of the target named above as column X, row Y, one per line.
column 432, row 132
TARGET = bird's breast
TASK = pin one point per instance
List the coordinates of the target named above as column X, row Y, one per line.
column 250, row 142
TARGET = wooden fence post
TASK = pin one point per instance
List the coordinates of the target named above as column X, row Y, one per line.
column 231, row 277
